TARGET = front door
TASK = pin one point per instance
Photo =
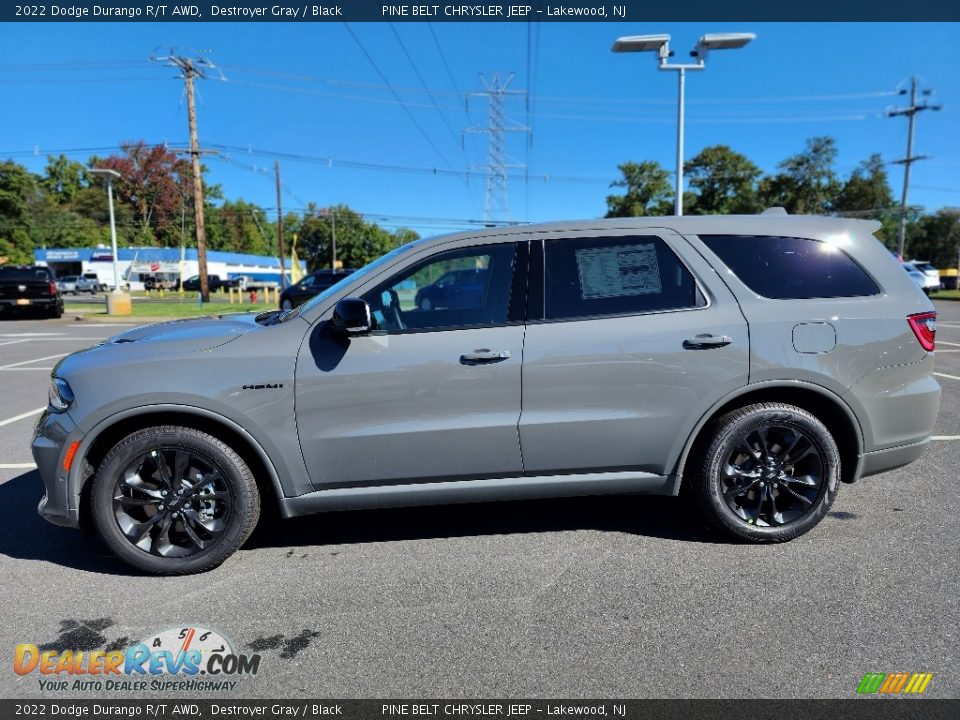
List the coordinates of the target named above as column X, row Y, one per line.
column 433, row 393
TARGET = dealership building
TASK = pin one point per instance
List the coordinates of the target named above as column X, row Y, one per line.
column 135, row 265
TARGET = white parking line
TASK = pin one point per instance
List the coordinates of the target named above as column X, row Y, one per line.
column 944, row 342
column 22, row 416
column 14, row 342
column 945, row 437
column 21, row 369
column 29, row 362
column 17, row 466
column 952, row 377
column 30, row 335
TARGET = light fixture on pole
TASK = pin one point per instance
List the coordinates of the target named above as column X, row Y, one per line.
column 118, row 302
column 109, row 176
column 660, row 44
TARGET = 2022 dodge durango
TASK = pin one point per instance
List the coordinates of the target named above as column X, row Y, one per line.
column 759, row 362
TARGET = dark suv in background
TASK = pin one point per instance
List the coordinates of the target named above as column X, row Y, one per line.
column 29, row 287
column 312, row 284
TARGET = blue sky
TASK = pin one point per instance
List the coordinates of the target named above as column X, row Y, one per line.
column 310, row 90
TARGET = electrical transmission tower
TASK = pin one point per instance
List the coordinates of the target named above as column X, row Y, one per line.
column 191, row 68
column 496, row 206
column 911, row 113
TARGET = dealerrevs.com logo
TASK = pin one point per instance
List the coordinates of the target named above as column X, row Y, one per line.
column 176, row 659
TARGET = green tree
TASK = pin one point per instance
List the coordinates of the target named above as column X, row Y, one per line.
column 936, row 238
column 806, row 183
column 648, row 191
column 724, row 182
column 866, row 194
column 18, row 193
column 63, row 179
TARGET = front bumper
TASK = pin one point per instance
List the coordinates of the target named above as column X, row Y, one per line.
column 52, row 436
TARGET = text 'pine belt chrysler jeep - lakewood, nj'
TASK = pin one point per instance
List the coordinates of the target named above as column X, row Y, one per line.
column 756, row 361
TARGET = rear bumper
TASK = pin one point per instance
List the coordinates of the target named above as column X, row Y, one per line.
column 892, row 458
column 34, row 302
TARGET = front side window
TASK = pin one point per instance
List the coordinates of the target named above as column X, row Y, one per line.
column 590, row 277
column 790, row 268
column 470, row 287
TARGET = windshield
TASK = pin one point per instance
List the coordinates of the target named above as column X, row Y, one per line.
column 333, row 289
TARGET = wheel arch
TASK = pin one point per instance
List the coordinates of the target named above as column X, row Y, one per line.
column 97, row 443
column 825, row 405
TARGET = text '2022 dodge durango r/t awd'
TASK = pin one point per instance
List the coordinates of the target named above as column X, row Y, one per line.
column 755, row 361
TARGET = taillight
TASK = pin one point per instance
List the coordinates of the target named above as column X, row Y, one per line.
column 924, row 326
column 53, row 288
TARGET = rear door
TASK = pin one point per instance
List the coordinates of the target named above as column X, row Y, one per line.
column 636, row 338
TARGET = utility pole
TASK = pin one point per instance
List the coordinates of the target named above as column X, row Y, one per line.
column 496, row 201
column 911, row 113
column 192, row 68
column 283, row 279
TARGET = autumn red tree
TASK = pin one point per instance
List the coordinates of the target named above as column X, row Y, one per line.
column 155, row 184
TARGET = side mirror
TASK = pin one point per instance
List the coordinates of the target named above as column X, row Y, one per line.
column 351, row 316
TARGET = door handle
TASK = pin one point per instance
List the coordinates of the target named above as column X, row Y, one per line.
column 706, row 342
column 484, row 356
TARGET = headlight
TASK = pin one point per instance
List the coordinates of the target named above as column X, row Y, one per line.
column 61, row 396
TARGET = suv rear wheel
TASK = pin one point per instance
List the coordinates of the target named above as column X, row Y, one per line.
column 770, row 473
column 173, row 500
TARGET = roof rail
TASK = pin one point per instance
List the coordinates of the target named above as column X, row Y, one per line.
column 774, row 211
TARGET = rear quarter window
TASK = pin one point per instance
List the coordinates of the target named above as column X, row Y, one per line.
column 790, row 268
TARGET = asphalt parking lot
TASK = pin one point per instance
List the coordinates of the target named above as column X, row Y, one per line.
column 582, row 598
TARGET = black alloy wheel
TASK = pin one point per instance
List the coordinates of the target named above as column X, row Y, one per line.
column 174, row 500
column 770, row 473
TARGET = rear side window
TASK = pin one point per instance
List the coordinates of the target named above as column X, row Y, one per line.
column 789, row 268
column 589, row 277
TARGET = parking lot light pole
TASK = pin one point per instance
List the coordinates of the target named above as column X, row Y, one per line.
column 660, row 44
column 118, row 302
column 110, row 176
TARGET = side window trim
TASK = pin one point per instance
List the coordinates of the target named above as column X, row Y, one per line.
column 520, row 266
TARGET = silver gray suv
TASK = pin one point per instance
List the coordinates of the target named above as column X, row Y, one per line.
column 753, row 362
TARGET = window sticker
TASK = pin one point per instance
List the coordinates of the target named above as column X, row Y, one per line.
column 618, row 271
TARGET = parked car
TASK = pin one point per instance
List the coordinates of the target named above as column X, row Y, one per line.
column 932, row 281
column 27, row 287
column 758, row 362
column 918, row 277
column 309, row 286
column 76, row 284
column 160, row 282
column 454, row 290
column 95, row 279
column 214, row 283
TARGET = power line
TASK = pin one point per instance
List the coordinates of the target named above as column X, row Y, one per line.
column 423, row 82
column 911, row 113
column 394, row 92
column 192, row 68
column 497, row 199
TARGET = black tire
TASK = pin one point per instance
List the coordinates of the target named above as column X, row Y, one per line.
column 286, row 304
column 762, row 455
column 235, row 491
column 425, row 304
column 55, row 312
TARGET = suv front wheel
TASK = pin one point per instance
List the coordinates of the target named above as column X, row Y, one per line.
column 174, row 500
column 769, row 474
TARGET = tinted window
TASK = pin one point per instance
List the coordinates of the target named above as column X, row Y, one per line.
column 461, row 288
column 614, row 276
column 791, row 268
column 25, row 273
